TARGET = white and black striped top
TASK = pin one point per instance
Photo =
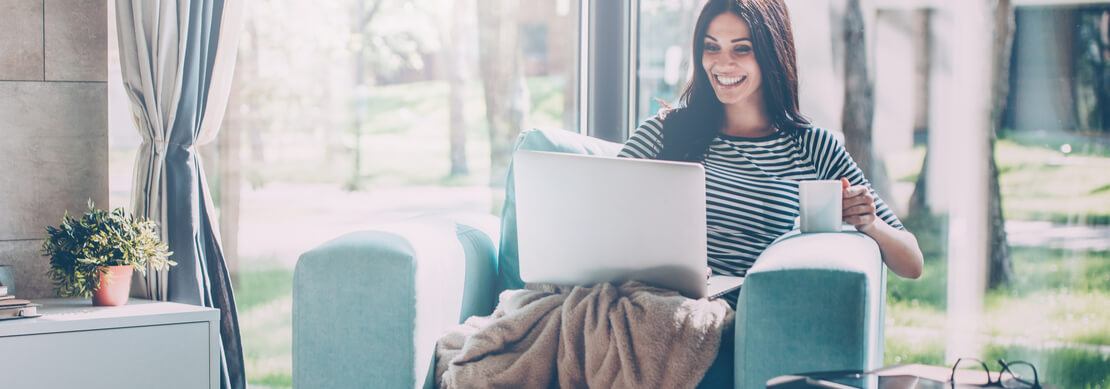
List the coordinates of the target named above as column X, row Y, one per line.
column 751, row 186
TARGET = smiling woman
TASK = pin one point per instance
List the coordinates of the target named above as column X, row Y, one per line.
column 739, row 118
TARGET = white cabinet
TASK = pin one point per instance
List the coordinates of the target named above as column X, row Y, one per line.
column 144, row 344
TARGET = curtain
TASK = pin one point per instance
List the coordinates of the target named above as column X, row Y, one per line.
column 177, row 59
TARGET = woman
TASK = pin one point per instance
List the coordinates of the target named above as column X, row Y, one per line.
column 739, row 118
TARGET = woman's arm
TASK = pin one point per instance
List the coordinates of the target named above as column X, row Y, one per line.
column 899, row 248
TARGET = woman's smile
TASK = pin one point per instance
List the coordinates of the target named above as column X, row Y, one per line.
column 729, row 81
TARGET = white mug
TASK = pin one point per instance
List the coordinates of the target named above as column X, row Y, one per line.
column 820, row 205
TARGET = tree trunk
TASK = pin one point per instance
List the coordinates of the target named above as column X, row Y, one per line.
column 455, row 66
column 859, row 103
column 1104, row 72
column 918, row 207
column 361, row 29
column 252, row 122
column 919, row 204
column 359, row 100
column 1001, row 268
column 506, row 94
column 230, row 182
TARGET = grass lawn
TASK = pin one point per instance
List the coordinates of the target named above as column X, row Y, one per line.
column 1055, row 314
column 1038, row 182
column 265, row 301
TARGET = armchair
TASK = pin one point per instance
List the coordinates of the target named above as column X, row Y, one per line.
column 369, row 306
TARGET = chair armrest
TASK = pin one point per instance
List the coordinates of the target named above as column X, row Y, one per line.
column 812, row 302
column 369, row 306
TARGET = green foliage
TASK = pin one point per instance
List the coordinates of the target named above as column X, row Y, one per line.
column 1063, row 368
column 1042, row 268
column 81, row 249
column 898, row 351
column 259, row 287
column 276, row 380
column 930, row 290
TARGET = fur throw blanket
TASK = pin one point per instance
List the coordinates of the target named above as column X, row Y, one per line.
column 602, row 336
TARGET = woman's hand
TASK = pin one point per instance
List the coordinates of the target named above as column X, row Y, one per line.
column 665, row 108
column 899, row 248
column 858, row 207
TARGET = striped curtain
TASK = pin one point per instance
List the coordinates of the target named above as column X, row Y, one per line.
column 177, row 59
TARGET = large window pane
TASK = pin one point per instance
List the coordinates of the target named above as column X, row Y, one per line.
column 347, row 114
column 1044, row 288
column 1051, row 157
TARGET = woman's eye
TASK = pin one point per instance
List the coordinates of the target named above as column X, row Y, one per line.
column 712, row 48
column 743, row 49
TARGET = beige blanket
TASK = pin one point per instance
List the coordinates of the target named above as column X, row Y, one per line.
column 604, row 336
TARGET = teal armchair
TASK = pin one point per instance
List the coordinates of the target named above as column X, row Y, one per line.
column 369, row 306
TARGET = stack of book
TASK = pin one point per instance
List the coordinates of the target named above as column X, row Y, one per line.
column 13, row 308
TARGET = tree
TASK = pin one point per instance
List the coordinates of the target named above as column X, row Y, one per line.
column 364, row 14
column 1092, row 83
column 506, row 93
column 918, row 207
column 1001, row 268
column 454, row 65
column 380, row 51
column 859, row 100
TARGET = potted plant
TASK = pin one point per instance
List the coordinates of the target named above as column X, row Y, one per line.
column 95, row 255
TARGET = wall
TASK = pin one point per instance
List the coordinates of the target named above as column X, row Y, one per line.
column 53, row 125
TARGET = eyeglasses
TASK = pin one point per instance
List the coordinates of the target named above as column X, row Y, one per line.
column 1014, row 381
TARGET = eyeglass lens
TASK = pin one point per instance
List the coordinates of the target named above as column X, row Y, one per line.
column 1019, row 374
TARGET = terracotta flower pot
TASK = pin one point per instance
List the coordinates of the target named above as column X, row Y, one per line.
column 114, row 288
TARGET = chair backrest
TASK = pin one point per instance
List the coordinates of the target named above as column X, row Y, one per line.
column 508, row 265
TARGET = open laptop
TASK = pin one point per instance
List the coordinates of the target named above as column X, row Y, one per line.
column 582, row 220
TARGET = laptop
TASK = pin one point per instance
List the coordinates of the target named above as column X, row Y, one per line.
column 583, row 220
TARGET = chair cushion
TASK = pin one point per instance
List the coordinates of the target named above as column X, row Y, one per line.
column 560, row 141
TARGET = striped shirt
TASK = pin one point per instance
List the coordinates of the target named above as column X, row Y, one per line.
column 751, row 186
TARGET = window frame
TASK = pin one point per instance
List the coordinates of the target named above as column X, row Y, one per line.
column 609, row 53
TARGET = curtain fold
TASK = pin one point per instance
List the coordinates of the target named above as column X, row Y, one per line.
column 177, row 59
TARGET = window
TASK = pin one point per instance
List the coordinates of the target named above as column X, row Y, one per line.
column 358, row 112
column 1041, row 285
column 1052, row 152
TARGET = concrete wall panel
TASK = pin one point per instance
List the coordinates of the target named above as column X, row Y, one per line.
column 21, row 36
column 76, row 40
column 54, row 156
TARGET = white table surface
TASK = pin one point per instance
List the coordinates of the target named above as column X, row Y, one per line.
column 62, row 315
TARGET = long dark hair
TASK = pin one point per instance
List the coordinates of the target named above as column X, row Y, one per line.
column 688, row 131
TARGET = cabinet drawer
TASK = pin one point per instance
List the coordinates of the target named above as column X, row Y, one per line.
column 160, row 356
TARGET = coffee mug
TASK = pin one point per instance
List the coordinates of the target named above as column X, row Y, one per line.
column 820, row 205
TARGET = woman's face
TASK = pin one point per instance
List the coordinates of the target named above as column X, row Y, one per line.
column 729, row 60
